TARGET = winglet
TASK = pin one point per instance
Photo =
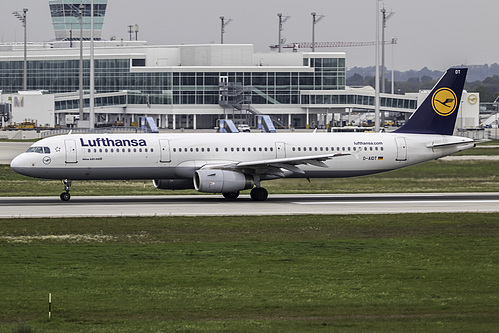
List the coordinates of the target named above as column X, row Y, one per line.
column 438, row 113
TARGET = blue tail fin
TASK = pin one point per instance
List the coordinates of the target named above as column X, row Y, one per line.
column 438, row 113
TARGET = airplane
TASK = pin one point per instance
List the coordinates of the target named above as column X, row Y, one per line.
column 229, row 163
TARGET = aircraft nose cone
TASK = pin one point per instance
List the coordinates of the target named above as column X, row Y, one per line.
column 18, row 164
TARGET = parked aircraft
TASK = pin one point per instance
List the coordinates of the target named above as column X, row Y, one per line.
column 230, row 163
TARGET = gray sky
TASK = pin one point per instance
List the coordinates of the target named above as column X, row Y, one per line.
column 431, row 33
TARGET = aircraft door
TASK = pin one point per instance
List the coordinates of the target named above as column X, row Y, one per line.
column 165, row 155
column 280, row 149
column 70, row 146
column 401, row 149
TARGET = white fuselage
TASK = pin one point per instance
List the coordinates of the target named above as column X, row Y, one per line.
column 178, row 156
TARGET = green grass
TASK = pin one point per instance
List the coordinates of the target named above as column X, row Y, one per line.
column 435, row 176
column 403, row 273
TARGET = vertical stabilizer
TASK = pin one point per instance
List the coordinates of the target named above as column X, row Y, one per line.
column 438, row 113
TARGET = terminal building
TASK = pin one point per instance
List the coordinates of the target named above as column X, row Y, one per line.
column 184, row 86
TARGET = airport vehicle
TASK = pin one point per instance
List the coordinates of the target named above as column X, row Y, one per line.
column 243, row 128
column 228, row 163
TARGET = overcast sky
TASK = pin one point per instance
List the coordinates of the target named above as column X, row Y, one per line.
column 431, row 33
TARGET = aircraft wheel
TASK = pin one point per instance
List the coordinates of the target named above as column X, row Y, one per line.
column 259, row 194
column 231, row 195
column 65, row 196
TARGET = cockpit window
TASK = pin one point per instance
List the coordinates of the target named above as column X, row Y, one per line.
column 39, row 150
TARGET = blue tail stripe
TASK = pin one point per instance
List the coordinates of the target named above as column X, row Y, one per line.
column 438, row 113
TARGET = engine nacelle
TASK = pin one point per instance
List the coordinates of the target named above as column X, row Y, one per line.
column 221, row 181
column 173, row 184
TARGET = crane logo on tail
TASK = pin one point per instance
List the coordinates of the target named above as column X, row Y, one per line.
column 444, row 102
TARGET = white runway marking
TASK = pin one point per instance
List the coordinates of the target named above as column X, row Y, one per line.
column 394, row 202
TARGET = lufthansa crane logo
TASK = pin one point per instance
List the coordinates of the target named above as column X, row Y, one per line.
column 444, row 101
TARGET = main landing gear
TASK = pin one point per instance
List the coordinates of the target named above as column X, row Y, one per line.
column 257, row 194
column 65, row 196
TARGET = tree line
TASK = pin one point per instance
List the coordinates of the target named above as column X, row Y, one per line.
column 483, row 79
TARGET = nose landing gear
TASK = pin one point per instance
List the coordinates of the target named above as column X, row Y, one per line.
column 65, row 196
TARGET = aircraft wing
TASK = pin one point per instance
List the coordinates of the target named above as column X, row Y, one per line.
column 274, row 166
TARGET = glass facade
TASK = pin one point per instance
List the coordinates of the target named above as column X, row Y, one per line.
column 66, row 18
column 175, row 87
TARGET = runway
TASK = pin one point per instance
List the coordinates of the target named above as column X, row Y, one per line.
column 215, row 205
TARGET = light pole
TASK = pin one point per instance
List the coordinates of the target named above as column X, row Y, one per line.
column 91, row 116
column 130, row 31
column 385, row 18
column 222, row 27
column 22, row 17
column 281, row 22
column 315, row 20
column 394, row 41
column 376, row 80
column 81, row 64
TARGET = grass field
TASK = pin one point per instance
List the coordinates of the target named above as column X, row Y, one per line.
column 402, row 273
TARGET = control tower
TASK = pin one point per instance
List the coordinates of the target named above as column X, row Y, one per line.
column 66, row 18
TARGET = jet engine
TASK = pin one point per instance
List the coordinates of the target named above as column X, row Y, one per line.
column 221, row 181
column 173, row 184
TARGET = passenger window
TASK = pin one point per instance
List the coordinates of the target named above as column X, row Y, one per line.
column 174, row 150
column 152, row 150
column 140, row 150
column 197, row 150
column 89, row 150
column 265, row 148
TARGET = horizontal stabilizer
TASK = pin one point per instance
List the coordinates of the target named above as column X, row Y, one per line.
column 448, row 144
